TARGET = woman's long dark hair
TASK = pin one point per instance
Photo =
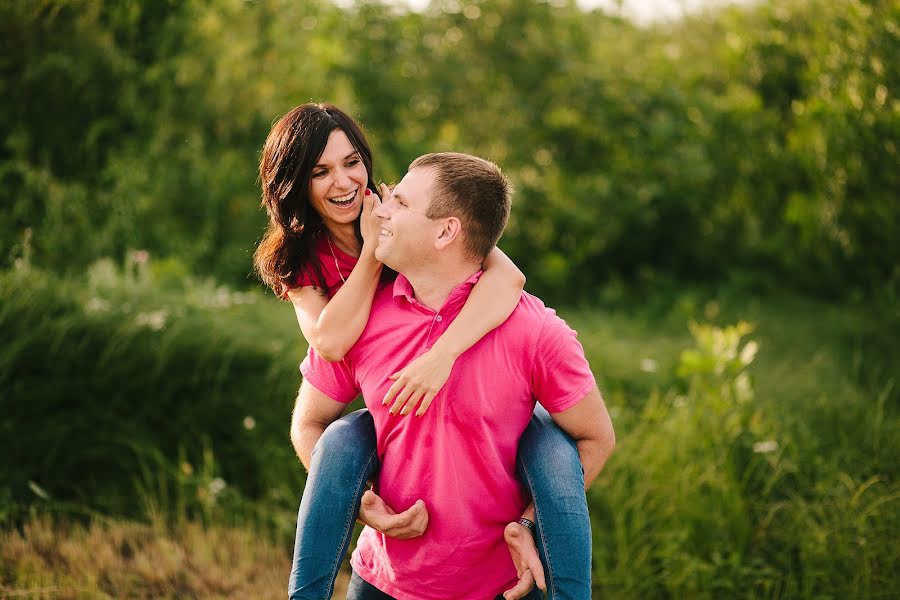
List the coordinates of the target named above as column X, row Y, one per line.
column 292, row 149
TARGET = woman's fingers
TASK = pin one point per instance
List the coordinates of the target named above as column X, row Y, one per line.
column 385, row 192
column 426, row 402
column 393, row 390
column 401, row 400
column 414, row 399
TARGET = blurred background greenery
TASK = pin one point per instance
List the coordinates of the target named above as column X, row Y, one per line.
column 713, row 201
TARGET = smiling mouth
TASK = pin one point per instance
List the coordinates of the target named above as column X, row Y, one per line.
column 344, row 200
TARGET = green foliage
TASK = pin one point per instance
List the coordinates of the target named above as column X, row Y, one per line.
column 760, row 140
column 744, row 467
column 706, row 496
column 754, row 144
column 131, row 397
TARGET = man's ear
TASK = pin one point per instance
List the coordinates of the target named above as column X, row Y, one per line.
column 450, row 232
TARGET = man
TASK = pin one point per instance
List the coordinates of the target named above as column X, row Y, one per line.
column 451, row 471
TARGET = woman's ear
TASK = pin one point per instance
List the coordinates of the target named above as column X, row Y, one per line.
column 450, row 232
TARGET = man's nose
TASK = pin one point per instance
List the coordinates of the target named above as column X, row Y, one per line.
column 380, row 210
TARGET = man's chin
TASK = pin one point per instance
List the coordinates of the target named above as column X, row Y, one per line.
column 385, row 258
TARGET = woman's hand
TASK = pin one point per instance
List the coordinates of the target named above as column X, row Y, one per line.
column 369, row 224
column 421, row 380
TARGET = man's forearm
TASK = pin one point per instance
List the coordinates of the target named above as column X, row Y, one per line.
column 594, row 454
column 313, row 412
column 589, row 425
column 304, row 437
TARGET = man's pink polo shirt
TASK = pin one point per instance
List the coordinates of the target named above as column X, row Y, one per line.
column 460, row 457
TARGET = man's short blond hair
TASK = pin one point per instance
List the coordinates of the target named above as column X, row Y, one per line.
column 473, row 190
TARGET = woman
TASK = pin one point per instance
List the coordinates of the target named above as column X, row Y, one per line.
column 318, row 251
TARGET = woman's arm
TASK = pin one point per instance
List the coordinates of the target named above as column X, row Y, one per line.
column 332, row 327
column 492, row 300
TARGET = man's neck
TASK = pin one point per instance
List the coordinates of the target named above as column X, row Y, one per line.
column 432, row 285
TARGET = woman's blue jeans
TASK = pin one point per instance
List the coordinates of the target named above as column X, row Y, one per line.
column 344, row 458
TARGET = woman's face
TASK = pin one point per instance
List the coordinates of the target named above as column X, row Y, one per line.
column 338, row 181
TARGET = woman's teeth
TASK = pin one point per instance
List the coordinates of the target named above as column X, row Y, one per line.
column 344, row 200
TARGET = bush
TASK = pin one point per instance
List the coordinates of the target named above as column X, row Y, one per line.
column 712, row 494
column 126, row 396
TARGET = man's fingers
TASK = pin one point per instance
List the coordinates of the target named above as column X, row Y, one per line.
column 409, row 524
column 375, row 505
column 526, row 582
column 426, row 402
column 537, row 571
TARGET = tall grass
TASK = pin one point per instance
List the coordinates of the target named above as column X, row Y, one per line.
column 719, row 491
column 757, row 437
column 138, row 390
column 58, row 559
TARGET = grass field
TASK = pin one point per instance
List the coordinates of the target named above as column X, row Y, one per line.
column 756, row 456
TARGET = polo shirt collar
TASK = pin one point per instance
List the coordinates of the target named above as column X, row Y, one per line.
column 403, row 290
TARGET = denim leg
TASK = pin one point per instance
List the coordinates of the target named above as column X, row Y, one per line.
column 549, row 466
column 360, row 589
column 342, row 460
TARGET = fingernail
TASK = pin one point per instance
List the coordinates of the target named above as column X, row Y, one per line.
column 368, row 192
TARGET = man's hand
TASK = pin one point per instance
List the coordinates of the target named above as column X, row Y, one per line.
column 525, row 556
column 379, row 516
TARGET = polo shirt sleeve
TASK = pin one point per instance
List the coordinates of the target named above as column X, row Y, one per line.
column 560, row 374
column 334, row 379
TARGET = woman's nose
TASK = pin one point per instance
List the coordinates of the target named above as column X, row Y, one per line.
column 342, row 179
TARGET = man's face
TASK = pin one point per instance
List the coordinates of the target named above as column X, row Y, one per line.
column 407, row 235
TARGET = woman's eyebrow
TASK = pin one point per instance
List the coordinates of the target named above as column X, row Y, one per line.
column 352, row 154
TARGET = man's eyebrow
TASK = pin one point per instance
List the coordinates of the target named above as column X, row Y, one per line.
column 354, row 153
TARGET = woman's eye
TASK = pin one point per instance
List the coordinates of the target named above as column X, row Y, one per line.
column 318, row 174
column 353, row 162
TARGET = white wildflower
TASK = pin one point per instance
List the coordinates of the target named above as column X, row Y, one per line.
column 96, row 305
column 748, row 353
column 765, row 447
column 216, row 486
column 648, row 365
column 154, row 320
